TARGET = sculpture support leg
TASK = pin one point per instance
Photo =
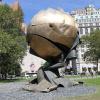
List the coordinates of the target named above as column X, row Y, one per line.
column 41, row 75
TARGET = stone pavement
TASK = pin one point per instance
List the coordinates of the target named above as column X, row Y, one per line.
column 13, row 91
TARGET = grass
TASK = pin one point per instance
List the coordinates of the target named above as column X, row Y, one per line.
column 90, row 82
column 72, row 76
column 18, row 79
column 8, row 80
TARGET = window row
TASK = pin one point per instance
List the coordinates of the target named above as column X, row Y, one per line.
column 89, row 24
column 87, row 20
column 87, row 30
column 88, row 17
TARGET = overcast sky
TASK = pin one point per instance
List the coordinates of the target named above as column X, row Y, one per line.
column 31, row 7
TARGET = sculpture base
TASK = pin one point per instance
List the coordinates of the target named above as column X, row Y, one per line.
column 47, row 86
column 43, row 86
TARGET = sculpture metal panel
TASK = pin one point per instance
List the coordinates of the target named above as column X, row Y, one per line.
column 52, row 35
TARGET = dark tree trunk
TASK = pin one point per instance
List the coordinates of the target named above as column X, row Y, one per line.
column 97, row 64
column 74, row 66
column 5, row 76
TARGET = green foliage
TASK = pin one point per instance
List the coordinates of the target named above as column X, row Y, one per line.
column 92, row 42
column 8, row 20
column 46, row 64
column 12, row 43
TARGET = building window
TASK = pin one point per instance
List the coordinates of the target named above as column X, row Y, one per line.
column 82, row 45
column 92, row 19
column 82, row 50
column 97, row 24
column 97, row 28
column 91, row 24
column 82, row 55
column 81, row 16
column 80, row 20
column 86, row 16
column 86, row 24
column 80, row 24
column 81, row 30
column 91, row 29
column 91, row 16
column 86, row 30
column 89, row 20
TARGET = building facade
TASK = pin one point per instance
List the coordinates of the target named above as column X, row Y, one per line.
column 88, row 19
column 31, row 63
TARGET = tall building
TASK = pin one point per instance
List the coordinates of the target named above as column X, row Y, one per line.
column 1, row 2
column 24, row 28
column 88, row 19
column 31, row 63
column 15, row 6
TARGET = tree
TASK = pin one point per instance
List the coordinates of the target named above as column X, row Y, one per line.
column 12, row 42
column 92, row 42
column 8, row 20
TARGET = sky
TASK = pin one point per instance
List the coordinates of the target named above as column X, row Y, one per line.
column 31, row 7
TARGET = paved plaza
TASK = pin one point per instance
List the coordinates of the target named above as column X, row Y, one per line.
column 14, row 91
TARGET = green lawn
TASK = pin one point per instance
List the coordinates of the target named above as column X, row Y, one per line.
column 92, row 81
column 8, row 80
column 18, row 79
